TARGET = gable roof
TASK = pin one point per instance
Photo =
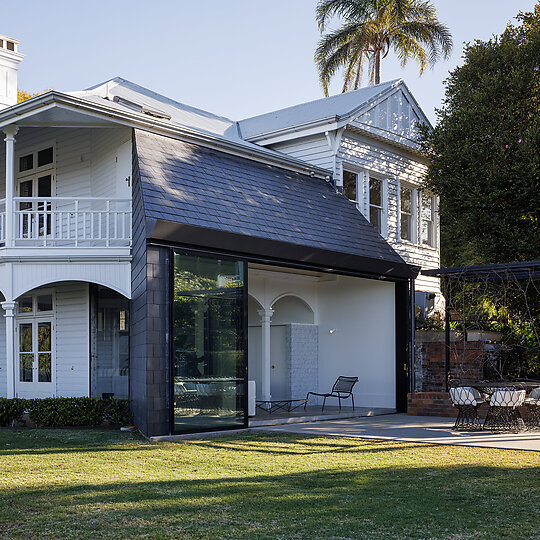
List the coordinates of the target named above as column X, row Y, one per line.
column 387, row 110
column 203, row 197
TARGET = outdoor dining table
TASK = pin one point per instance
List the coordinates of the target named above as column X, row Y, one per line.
column 504, row 416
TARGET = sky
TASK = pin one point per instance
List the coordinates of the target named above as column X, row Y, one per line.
column 235, row 58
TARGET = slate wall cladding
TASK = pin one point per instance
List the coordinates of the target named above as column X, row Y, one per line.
column 149, row 367
column 302, row 350
column 137, row 367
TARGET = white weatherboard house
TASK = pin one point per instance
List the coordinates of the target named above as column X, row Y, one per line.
column 158, row 252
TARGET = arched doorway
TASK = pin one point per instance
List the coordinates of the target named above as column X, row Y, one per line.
column 71, row 338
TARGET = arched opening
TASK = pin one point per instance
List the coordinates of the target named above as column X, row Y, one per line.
column 71, row 339
column 291, row 309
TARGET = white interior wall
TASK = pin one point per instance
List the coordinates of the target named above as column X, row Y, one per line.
column 362, row 314
column 361, row 311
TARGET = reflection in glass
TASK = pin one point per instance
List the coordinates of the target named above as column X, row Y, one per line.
column 25, row 304
column 44, row 302
column 25, row 364
column 406, row 213
column 375, row 204
column 44, row 367
column 208, row 341
column 349, row 185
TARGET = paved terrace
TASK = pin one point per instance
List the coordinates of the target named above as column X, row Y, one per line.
column 400, row 427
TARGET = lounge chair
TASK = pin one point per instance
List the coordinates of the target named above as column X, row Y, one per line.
column 342, row 389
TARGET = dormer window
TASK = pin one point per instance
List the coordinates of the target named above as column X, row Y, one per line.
column 350, row 189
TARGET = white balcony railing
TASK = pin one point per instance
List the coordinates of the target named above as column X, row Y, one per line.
column 69, row 222
column 2, row 221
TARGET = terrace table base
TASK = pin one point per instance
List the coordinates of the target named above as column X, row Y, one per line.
column 288, row 405
column 504, row 419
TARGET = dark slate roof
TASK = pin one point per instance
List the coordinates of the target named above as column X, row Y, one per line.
column 198, row 195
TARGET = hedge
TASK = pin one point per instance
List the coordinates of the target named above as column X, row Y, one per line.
column 11, row 410
column 66, row 411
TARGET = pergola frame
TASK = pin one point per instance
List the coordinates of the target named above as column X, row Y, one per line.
column 503, row 272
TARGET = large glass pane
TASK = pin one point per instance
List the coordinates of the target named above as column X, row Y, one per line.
column 25, row 365
column 427, row 233
column 44, row 337
column 406, row 199
column 110, row 344
column 375, row 217
column 25, row 337
column 44, row 367
column 26, row 357
column 375, row 192
column 44, row 302
column 44, row 157
column 208, row 341
column 25, row 304
column 26, row 163
column 427, row 207
column 349, row 185
column 406, row 227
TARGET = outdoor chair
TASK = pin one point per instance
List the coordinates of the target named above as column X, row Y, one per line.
column 467, row 400
column 342, row 389
column 533, row 408
column 503, row 413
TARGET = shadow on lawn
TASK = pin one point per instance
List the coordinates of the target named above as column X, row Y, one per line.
column 304, row 444
column 417, row 502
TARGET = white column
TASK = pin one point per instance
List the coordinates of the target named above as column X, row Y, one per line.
column 9, row 308
column 10, row 132
column 266, row 315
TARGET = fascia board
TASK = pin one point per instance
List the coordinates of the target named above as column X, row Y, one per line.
column 135, row 120
column 316, row 126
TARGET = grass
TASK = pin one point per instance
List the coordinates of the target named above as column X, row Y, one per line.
column 105, row 484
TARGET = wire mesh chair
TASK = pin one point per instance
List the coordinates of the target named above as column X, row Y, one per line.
column 533, row 408
column 503, row 413
column 342, row 389
column 467, row 400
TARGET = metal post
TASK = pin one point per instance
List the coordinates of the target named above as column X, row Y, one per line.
column 446, row 335
column 413, row 330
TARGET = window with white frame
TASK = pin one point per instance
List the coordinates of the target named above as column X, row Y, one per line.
column 350, row 185
column 376, row 203
column 369, row 193
column 35, row 176
column 407, row 213
column 427, row 220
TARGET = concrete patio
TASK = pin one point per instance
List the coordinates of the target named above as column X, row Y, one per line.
column 419, row 429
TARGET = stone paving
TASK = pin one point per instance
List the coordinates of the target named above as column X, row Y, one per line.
column 400, row 427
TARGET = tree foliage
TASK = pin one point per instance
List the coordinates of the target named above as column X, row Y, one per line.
column 370, row 29
column 485, row 150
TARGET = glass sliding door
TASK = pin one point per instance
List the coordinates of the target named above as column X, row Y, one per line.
column 209, row 350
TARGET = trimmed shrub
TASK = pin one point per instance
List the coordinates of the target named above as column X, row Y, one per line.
column 117, row 412
column 70, row 411
column 10, row 410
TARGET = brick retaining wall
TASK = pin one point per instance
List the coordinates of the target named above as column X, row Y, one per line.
column 439, row 404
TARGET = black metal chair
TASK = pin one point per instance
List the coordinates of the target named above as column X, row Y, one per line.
column 342, row 389
column 467, row 400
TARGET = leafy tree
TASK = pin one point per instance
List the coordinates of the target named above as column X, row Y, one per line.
column 485, row 150
column 370, row 29
column 23, row 96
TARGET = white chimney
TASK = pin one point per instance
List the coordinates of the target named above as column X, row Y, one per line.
column 9, row 64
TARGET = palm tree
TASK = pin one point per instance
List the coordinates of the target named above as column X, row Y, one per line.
column 370, row 29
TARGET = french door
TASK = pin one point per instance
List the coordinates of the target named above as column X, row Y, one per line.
column 35, row 217
column 35, row 357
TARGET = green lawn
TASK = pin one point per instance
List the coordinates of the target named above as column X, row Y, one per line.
column 105, row 484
